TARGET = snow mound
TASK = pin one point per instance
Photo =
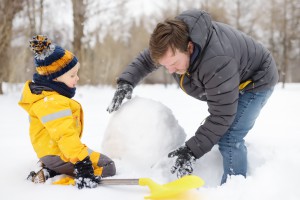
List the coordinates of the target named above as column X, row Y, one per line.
column 142, row 132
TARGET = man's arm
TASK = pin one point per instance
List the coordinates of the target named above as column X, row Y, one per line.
column 140, row 67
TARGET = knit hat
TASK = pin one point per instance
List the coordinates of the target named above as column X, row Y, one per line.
column 51, row 60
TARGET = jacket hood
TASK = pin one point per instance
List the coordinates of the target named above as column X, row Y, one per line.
column 199, row 24
column 28, row 98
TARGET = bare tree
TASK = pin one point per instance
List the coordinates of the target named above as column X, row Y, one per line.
column 79, row 9
column 41, row 11
column 8, row 9
column 238, row 15
column 284, row 44
column 294, row 40
column 31, row 16
column 34, row 10
column 290, row 31
column 283, row 28
column 103, row 57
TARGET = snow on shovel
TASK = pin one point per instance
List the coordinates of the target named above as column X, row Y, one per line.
column 160, row 191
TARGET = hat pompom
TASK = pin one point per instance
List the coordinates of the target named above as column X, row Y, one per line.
column 39, row 44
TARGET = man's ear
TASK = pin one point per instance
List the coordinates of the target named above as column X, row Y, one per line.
column 190, row 47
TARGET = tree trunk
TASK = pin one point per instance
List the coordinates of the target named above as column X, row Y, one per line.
column 8, row 9
column 31, row 16
column 238, row 15
column 1, row 90
column 79, row 9
column 41, row 12
column 284, row 45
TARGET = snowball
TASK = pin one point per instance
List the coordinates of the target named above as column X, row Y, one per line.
column 142, row 131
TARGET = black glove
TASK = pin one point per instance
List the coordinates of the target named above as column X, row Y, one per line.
column 124, row 89
column 184, row 161
column 84, row 174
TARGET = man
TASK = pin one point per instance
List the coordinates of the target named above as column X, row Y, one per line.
column 212, row 62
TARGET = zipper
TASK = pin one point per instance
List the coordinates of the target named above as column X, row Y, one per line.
column 182, row 79
column 244, row 84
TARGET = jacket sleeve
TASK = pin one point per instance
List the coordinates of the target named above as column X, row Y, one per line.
column 222, row 93
column 57, row 117
column 139, row 68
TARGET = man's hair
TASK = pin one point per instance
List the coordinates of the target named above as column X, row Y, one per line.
column 171, row 33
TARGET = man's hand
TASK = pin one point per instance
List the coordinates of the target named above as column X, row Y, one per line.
column 184, row 161
column 124, row 89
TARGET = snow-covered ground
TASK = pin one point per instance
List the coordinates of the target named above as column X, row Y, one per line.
column 139, row 137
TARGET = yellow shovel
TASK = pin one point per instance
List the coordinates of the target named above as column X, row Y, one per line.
column 157, row 191
column 160, row 191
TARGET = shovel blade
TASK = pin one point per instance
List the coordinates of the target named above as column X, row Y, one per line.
column 173, row 188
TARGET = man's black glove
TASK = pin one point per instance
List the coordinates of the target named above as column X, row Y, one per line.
column 184, row 161
column 124, row 89
column 84, row 174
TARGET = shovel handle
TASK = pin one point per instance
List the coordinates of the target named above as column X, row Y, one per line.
column 119, row 182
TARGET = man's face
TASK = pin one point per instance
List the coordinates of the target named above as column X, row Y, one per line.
column 176, row 63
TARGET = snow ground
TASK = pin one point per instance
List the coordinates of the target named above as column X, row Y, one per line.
column 272, row 145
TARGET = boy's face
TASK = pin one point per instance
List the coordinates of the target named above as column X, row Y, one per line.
column 70, row 78
column 176, row 63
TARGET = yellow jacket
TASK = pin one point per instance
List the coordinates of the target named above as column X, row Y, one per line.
column 56, row 124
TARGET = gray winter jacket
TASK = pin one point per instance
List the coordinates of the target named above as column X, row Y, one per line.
column 227, row 59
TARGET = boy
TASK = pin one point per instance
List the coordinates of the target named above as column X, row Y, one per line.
column 56, row 120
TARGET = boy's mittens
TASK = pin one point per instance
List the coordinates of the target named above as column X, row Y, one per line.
column 84, row 174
